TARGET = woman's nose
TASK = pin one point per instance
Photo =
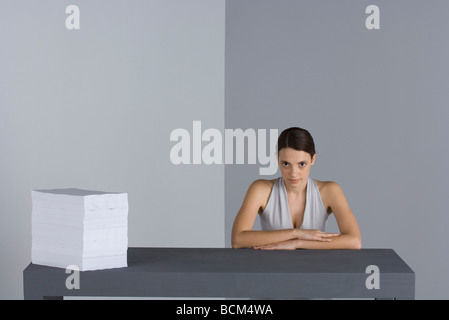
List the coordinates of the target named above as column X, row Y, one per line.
column 294, row 171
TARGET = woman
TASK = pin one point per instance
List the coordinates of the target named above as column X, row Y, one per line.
column 294, row 208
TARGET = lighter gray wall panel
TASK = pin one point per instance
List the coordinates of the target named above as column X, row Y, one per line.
column 94, row 108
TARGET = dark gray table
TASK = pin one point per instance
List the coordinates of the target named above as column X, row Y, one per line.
column 233, row 273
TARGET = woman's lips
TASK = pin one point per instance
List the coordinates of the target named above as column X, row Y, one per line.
column 294, row 180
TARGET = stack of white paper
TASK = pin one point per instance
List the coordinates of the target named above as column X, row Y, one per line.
column 88, row 229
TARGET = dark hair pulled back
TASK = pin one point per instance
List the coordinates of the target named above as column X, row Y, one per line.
column 297, row 138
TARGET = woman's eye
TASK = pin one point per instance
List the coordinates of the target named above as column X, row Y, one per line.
column 285, row 164
column 302, row 164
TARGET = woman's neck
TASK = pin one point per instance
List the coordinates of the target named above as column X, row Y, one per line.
column 296, row 190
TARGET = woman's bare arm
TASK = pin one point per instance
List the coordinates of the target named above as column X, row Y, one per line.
column 350, row 237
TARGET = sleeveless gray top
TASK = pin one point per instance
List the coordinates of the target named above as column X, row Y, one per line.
column 277, row 216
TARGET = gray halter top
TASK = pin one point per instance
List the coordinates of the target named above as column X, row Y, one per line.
column 277, row 216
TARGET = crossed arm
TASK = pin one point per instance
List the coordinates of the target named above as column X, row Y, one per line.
column 289, row 239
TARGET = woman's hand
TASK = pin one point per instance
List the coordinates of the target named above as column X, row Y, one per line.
column 284, row 245
column 317, row 235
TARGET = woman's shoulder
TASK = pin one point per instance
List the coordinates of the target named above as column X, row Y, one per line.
column 329, row 191
column 328, row 188
column 262, row 187
column 261, row 190
column 326, row 185
column 263, row 184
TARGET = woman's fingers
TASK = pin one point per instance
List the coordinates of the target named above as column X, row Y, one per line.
column 267, row 247
column 316, row 235
column 326, row 236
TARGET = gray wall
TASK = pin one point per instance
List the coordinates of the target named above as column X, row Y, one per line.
column 94, row 108
column 375, row 102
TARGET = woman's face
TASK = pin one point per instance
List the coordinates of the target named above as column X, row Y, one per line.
column 295, row 166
